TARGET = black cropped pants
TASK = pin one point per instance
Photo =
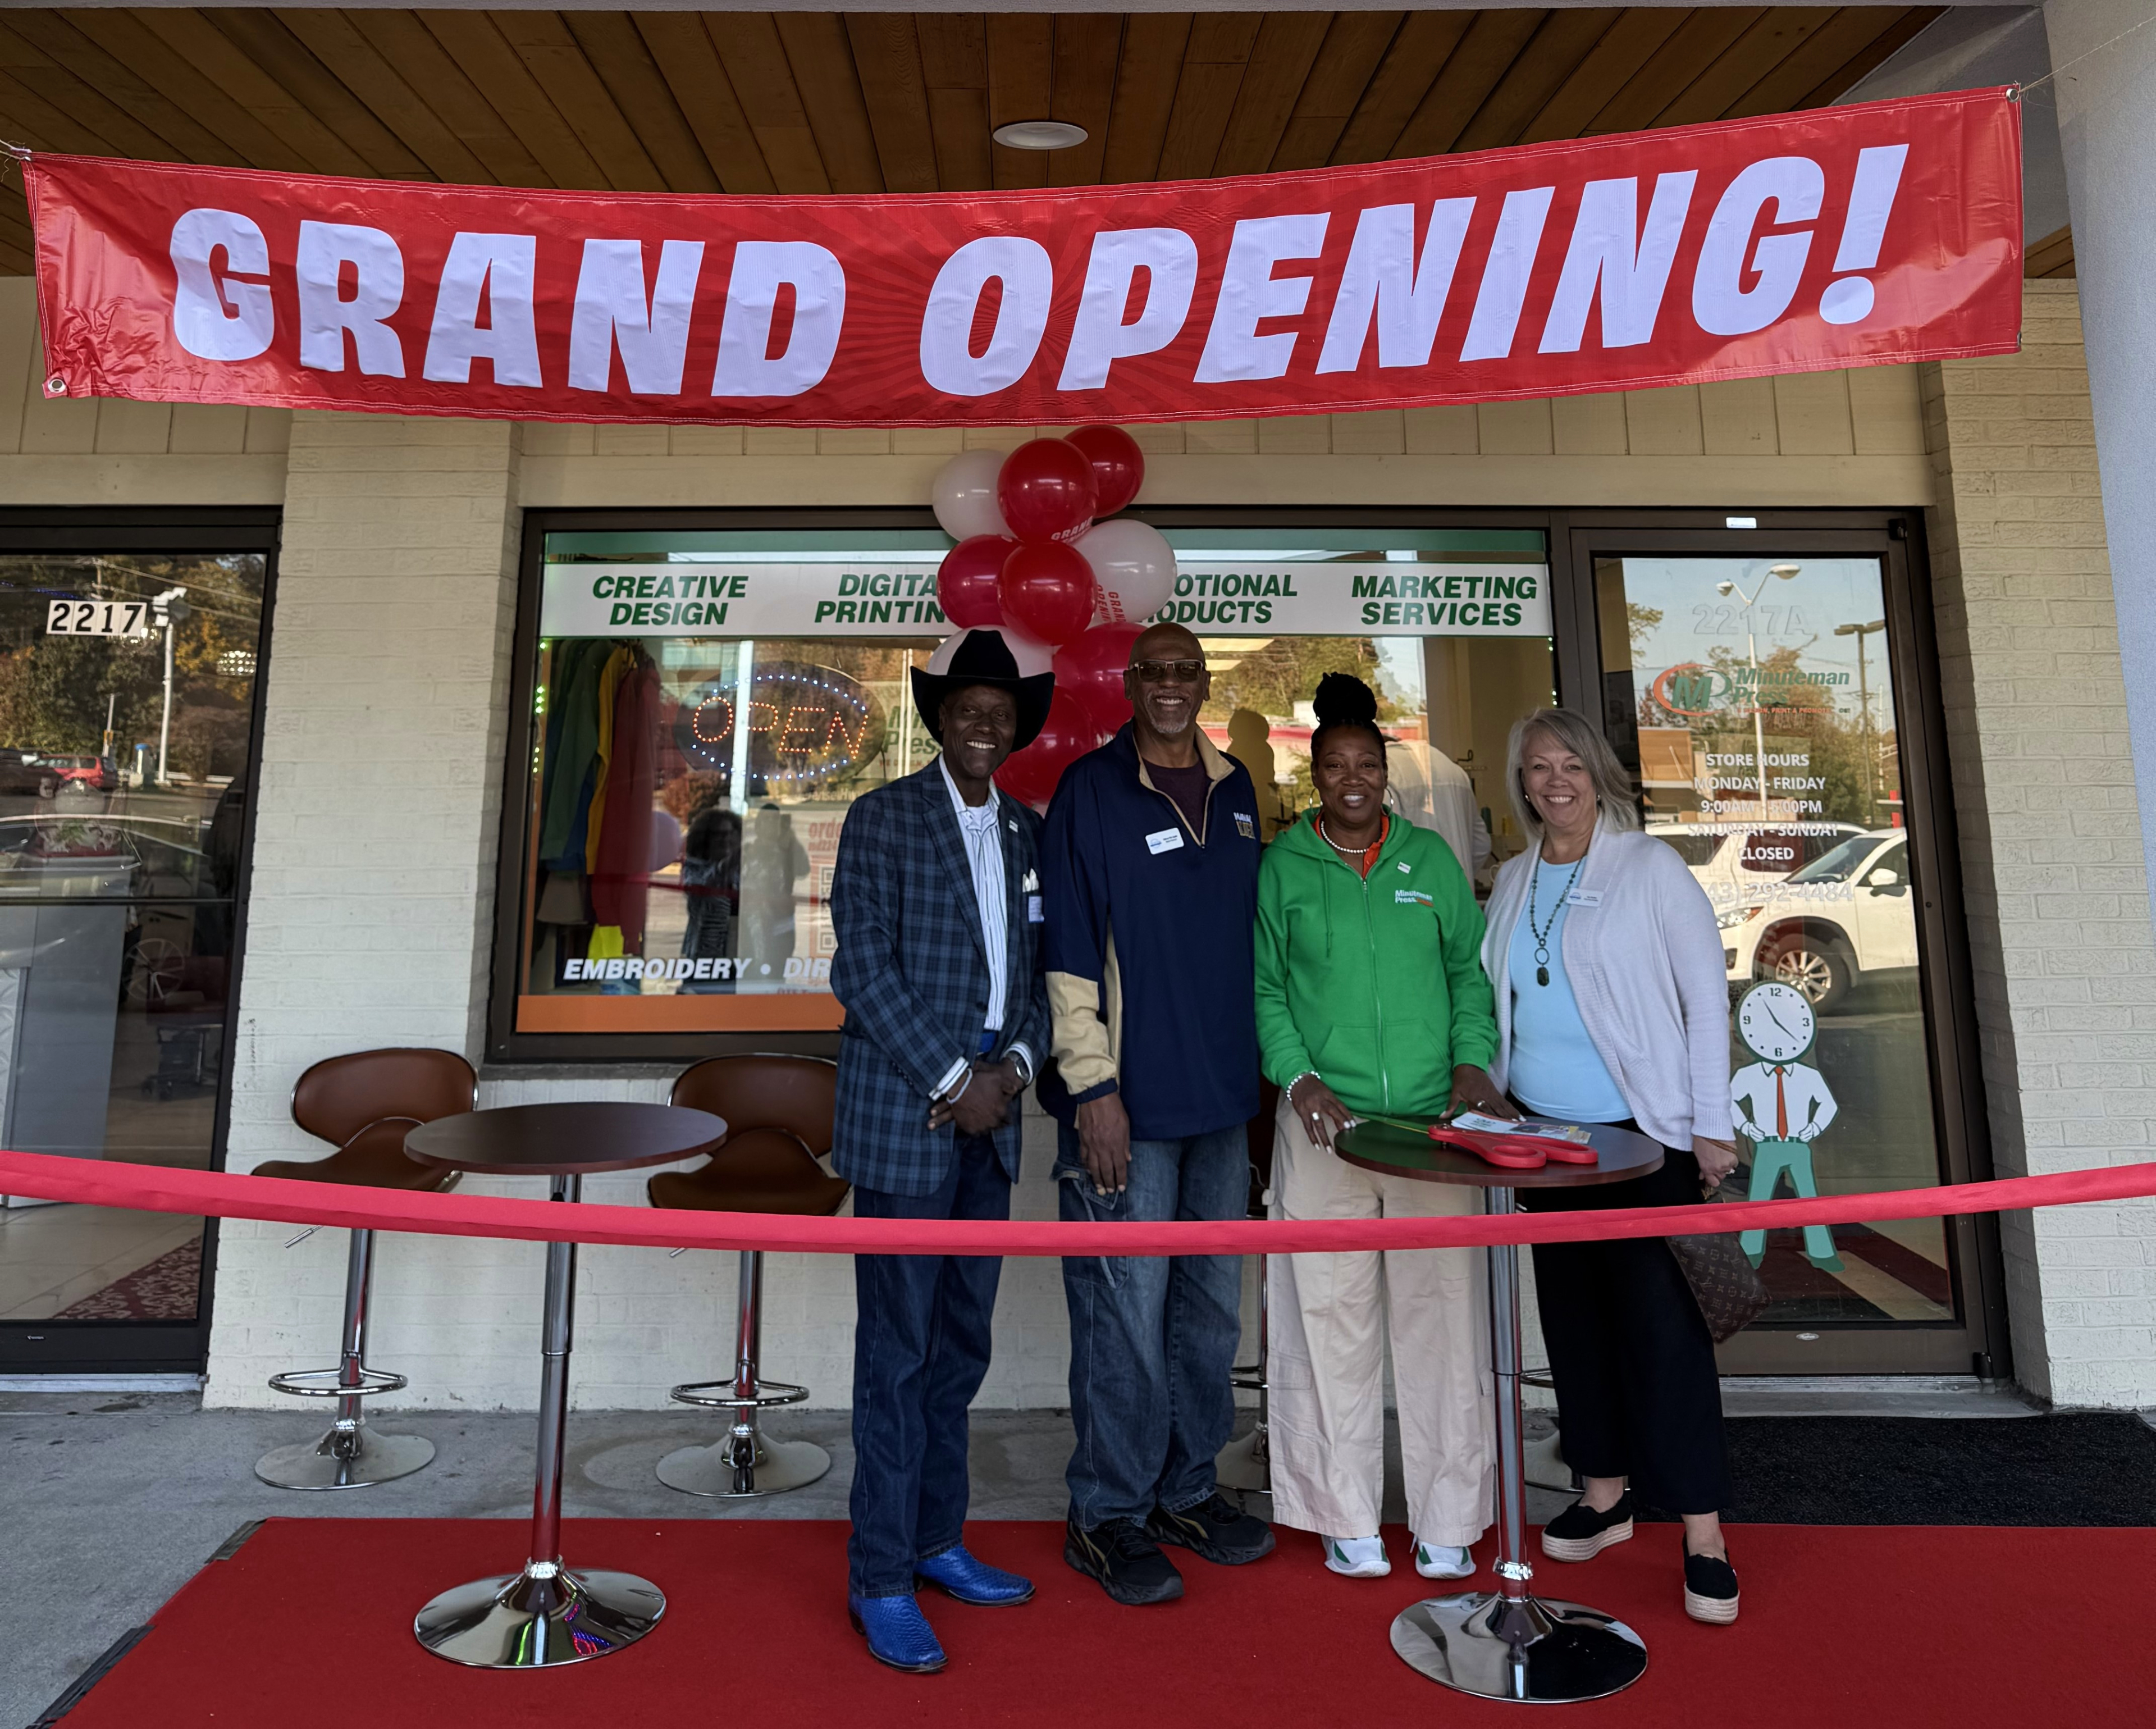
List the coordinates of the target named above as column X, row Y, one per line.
column 1638, row 1395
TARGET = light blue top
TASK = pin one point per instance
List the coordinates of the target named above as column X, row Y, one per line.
column 1555, row 1070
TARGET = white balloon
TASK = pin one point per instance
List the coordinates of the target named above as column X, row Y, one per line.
column 1033, row 658
column 965, row 494
column 1135, row 567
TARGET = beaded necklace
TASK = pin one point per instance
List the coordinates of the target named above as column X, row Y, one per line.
column 1541, row 933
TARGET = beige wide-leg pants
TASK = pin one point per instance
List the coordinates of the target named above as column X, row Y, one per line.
column 1327, row 1356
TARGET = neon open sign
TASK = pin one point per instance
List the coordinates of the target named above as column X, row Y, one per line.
column 804, row 725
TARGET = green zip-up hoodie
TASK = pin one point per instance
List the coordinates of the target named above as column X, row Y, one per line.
column 1376, row 983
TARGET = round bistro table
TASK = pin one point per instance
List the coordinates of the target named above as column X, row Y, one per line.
column 1510, row 1643
column 546, row 1615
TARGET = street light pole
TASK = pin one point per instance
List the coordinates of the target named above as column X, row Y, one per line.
column 168, row 608
column 1751, row 654
column 1864, row 703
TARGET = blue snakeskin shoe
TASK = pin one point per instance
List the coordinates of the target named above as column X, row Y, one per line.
column 968, row 1578
column 898, row 1634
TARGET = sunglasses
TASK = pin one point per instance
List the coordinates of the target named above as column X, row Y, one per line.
column 1165, row 672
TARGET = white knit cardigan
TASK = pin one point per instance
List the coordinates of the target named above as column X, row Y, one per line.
column 1644, row 957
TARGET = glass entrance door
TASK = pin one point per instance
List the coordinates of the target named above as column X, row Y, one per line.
column 1765, row 697
column 127, row 706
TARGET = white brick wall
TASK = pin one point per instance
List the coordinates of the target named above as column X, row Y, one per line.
column 384, row 723
column 2055, row 884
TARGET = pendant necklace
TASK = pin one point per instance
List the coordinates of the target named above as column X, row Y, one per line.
column 1541, row 933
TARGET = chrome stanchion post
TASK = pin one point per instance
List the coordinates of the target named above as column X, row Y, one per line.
column 1513, row 1569
column 554, row 1392
column 545, row 1615
column 1509, row 1643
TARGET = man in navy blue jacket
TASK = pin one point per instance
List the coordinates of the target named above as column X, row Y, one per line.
column 1150, row 863
column 936, row 903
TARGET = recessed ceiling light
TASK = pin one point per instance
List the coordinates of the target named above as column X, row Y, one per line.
column 1039, row 135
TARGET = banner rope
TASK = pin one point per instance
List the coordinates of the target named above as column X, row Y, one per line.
column 219, row 1194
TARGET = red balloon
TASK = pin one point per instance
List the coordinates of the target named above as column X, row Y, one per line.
column 1046, row 590
column 1092, row 671
column 1118, row 465
column 1045, row 491
column 966, row 582
column 1029, row 775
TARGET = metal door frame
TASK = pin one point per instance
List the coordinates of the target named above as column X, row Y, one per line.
column 148, row 1347
column 1978, row 1339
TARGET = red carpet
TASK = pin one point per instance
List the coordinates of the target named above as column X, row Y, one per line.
column 310, row 1623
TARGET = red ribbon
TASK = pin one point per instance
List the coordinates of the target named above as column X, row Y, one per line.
column 221, row 1195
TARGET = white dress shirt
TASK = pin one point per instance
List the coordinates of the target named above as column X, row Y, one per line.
column 977, row 824
column 1787, row 1101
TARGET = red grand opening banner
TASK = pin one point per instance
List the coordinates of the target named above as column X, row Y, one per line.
column 1883, row 232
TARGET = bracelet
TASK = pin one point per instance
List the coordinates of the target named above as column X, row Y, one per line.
column 954, row 1098
column 1308, row 1074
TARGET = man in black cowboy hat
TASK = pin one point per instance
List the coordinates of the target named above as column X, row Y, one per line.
column 936, row 900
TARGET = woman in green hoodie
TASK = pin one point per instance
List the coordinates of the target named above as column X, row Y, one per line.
column 1372, row 998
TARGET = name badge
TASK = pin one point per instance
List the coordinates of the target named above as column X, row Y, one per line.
column 1246, row 825
column 1583, row 898
column 1165, row 839
column 1033, row 909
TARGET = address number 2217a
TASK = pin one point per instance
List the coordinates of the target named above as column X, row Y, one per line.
column 97, row 618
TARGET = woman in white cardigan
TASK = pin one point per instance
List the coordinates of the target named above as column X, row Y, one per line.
column 1612, row 1008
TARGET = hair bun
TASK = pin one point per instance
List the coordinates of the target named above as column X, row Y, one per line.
column 1343, row 699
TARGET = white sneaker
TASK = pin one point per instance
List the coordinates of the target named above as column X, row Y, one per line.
column 1357, row 1557
column 1440, row 1561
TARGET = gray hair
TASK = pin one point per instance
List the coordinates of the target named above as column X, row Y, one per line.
column 1575, row 733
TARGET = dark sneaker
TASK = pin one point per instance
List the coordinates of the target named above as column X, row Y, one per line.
column 1710, row 1589
column 1214, row 1529
column 1128, row 1562
column 1580, row 1534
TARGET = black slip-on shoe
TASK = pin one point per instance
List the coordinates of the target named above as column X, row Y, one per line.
column 1128, row 1562
column 1215, row 1530
column 1579, row 1533
column 1710, row 1589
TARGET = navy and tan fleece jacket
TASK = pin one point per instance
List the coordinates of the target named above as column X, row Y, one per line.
column 1148, row 946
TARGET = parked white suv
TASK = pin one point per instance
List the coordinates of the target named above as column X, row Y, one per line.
column 1846, row 914
column 1733, row 861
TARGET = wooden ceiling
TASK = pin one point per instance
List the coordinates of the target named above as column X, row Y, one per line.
column 811, row 102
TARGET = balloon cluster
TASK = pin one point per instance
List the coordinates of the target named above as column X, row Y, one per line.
column 1070, row 590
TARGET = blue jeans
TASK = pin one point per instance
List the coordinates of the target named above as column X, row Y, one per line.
column 1152, row 1338
column 920, row 1348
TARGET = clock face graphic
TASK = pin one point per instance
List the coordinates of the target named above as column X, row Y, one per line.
column 1775, row 1022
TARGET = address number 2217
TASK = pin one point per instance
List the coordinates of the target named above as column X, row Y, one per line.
column 97, row 618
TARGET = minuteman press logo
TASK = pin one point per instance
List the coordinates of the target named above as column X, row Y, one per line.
column 1694, row 691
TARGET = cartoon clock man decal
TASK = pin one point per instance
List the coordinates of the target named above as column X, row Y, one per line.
column 1784, row 1105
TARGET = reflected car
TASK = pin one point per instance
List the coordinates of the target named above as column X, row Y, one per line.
column 22, row 771
column 1845, row 916
column 1733, row 861
column 89, row 774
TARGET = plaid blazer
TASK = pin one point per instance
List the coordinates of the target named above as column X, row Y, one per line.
column 912, row 975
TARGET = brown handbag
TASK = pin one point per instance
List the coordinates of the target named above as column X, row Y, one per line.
column 1725, row 1284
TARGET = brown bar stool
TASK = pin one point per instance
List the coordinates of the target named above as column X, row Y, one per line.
column 365, row 1104
column 778, row 1112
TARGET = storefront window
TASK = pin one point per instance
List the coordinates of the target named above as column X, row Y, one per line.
column 1755, row 700
column 707, row 704
column 126, row 711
